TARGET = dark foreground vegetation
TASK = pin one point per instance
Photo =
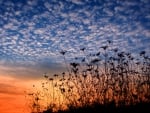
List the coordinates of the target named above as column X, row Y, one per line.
column 107, row 80
column 109, row 108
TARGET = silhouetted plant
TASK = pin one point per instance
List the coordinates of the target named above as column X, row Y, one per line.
column 106, row 77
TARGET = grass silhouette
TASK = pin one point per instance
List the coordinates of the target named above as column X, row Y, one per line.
column 108, row 80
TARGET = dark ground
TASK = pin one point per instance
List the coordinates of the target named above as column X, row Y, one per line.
column 109, row 108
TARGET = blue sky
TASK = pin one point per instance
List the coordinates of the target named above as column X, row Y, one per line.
column 33, row 32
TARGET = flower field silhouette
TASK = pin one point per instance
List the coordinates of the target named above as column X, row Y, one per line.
column 102, row 81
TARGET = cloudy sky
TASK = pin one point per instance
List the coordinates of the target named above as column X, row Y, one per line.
column 33, row 32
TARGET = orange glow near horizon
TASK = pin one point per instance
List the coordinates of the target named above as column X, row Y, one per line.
column 17, row 96
column 12, row 95
column 12, row 104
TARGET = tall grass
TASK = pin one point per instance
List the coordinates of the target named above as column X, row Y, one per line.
column 102, row 77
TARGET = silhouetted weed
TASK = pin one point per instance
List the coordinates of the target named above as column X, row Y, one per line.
column 108, row 80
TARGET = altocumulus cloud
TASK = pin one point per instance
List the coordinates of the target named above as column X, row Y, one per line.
column 36, row 31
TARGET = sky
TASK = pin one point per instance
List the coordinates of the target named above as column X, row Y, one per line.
column 33, row 32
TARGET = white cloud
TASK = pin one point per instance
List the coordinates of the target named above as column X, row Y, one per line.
column 8, row 26
column 48, row 6
column 78, row 2
column 39, row 31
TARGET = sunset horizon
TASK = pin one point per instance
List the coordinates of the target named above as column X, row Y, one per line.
column 70, row 54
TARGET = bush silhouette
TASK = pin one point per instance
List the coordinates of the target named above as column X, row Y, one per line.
column 106, row 80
